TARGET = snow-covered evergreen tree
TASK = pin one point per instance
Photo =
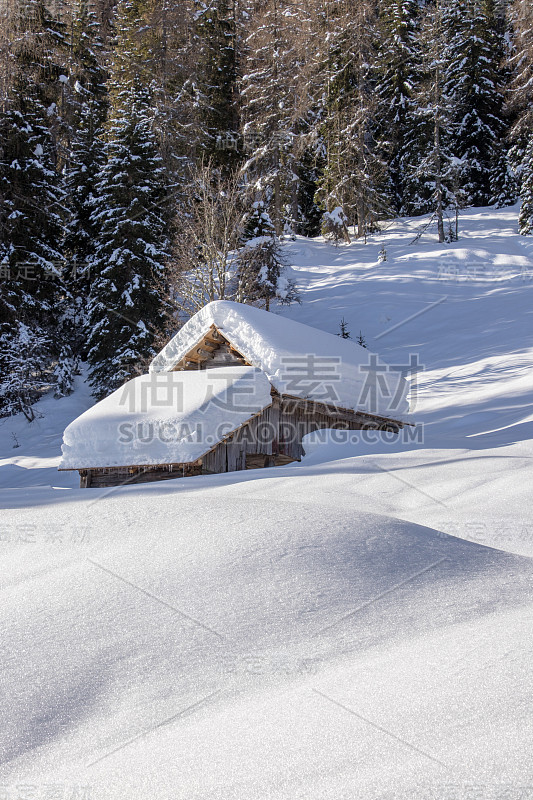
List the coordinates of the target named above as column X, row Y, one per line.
column 257, row 222
column 520, row 89
column 273, row 109
column 430, row 169
column 354, row 171
column 335, row 225
column 260, row 264
column 86, row 157
column 520, row 104
column 31, row 207
column 472, row 87
column 308, row 168
column 525, row 219
column 504, row 182
column 127, row 269
column 32, row 196
column 399, row 71
column 24, row 367
column 217, row 107
column 261, row 273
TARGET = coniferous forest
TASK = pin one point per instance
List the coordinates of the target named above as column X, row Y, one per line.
column 154, row 153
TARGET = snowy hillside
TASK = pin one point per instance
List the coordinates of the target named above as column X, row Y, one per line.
column 357, row 625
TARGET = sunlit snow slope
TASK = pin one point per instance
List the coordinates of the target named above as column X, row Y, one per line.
column 356, row 626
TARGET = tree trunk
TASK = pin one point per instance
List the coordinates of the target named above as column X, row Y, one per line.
column 438, row 159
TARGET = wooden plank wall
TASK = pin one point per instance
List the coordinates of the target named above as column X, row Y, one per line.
column 118, row 476
column 279, row 430
column 276, row 432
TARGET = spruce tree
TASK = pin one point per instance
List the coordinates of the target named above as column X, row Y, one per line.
column 525, row 219
column 354, row 171
column 260, row 263
column 127, row 269
column 520, row 104
column 217, row 107
column 129, row 214
column 260, row 267
column 430, row 176
column 273, row 108
column 472, row 85
column 344, row 332
column 30, row 214
column 86, row 160
column 399, row 71
column 24, row 356
column 308, row 169
column 520, row 89
column 31, row 210
column 257, row 222
column 86, row 157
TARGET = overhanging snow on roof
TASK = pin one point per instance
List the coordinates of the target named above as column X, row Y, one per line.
column 297, row 359
column 169, row 418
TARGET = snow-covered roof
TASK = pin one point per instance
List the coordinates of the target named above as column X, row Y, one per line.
column 169, row 418
column 297, row 359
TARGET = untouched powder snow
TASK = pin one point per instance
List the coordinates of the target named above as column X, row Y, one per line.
column 299, row 360
column 184, row 644
column 167, row 418
column 354, row 626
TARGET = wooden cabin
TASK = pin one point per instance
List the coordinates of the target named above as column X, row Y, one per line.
column 236, row 388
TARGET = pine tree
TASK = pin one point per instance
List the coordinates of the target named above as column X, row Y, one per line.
column 503, row 180
column 86, row 157
column 335, row 225
column 344, row 332
column 260, row 263
column 399, row 72
column 430, row 175
column 130, row 213
column 31, row 209
column 472, row 86
column 273, row 108
column 86, row 160
column 24, row 358
column 217, row 107
column 308, row 168
column 354, row 171
column 136, row 47
column 520, row 90
column 257, row 222
column 127, row 270
column 261, row 273
column 525, row 219
column 160, row 38
column 32, row 196
column 520, row 105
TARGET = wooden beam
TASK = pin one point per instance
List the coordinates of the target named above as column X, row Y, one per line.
column 348, row 412
column 214, row 336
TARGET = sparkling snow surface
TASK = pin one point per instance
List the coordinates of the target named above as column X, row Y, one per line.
column 299, row 360
column 355, row 626
column 167, row 418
